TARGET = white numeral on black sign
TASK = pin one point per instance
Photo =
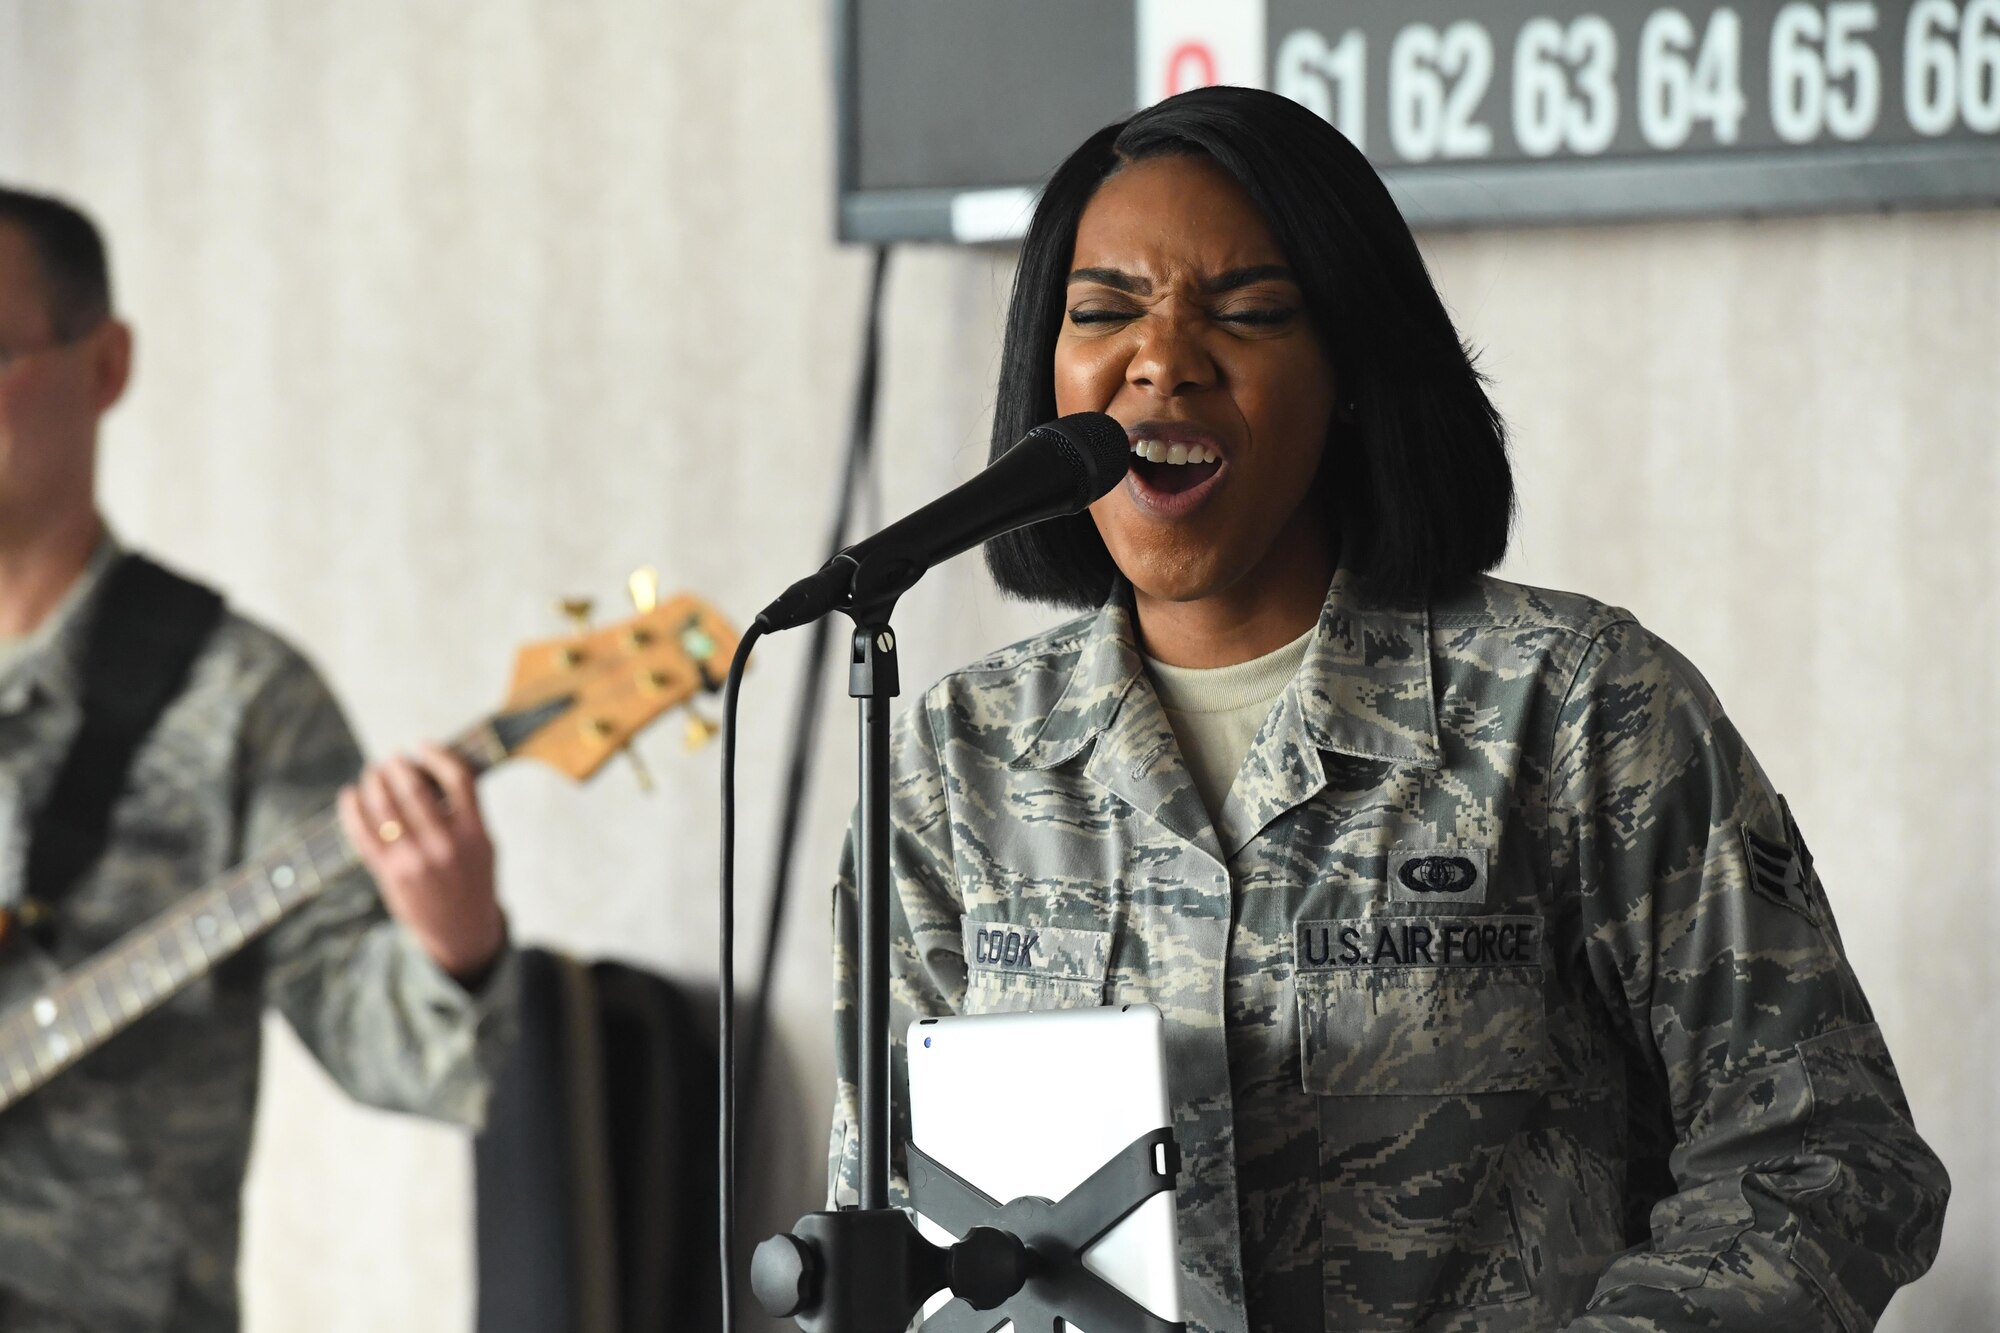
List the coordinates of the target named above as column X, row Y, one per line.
column 1951, row 66
column 1329, row 80
column 1824, row 74
column 1681, row 78
column 1678, row 87
column 1565, row 86
column 1979, row 66
column 1436, row 82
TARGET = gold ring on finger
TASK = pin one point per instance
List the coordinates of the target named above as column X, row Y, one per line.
column 389, row 830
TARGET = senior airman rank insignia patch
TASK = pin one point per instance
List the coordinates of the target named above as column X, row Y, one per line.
column 1781, row 871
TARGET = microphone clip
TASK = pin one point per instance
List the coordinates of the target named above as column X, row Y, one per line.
column 867, row 591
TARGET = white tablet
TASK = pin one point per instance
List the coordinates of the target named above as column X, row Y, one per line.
column 1031, row 1104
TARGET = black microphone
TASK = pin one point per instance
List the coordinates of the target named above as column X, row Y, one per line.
column 1057, row 468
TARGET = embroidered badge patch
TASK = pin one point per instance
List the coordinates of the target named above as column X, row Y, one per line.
column 1438, row 875
column 1781, row 871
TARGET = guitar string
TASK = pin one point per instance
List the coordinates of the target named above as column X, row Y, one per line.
column 46, row 1034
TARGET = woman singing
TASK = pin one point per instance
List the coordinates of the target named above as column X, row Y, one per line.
column 1500, row 991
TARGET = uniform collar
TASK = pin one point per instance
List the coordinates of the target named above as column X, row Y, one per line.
column 1105, row 671
column 52, row 663
column 1109, row 709
column 1364, row 688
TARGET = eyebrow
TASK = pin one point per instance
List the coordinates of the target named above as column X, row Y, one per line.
column 1115, row 278
column 1221, row 282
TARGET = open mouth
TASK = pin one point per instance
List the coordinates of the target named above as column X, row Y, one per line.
column 1171, row 474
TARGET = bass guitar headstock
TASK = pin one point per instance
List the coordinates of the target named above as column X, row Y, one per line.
column 577, row 700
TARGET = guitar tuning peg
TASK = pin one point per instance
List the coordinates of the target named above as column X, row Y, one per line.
column 644, row 586
column 639, row 770
column 577, row 609
column 699, row 730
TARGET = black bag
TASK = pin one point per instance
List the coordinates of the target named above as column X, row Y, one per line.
column 595, row 1176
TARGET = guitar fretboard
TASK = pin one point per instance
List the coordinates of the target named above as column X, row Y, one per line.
column 101, row 997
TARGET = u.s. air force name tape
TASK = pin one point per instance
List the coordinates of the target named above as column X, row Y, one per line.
column 1420, row 941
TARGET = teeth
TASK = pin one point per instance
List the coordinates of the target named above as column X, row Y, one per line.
column 1155, row 452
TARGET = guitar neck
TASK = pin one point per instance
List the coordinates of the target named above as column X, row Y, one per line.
column 108, row 992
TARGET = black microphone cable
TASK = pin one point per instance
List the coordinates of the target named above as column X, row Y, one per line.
column 726, row 977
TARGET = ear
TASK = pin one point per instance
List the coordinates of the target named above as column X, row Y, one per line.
column 110, row 363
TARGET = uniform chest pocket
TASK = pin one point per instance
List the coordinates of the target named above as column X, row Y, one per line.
column 1426, row 1042
column 1015, row 968
column 1425, row 1006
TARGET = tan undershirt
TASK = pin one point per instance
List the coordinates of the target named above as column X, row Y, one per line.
column 1216, row 712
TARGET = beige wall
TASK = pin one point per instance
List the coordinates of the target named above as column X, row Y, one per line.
column 448, row 308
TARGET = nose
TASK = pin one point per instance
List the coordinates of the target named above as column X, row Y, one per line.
column 1170, row 359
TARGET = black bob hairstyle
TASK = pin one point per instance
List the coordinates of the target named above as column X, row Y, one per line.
column 69, row 252
column 1416, row 485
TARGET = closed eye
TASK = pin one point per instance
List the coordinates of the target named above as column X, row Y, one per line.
column 1268, row 317
column 1099, row 316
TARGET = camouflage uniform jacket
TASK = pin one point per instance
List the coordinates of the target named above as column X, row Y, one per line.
column 1501, row 996
column 120, row 1181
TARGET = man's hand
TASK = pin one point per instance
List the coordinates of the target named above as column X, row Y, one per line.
column 417, row 826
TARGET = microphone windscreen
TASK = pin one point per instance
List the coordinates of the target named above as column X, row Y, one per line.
column 1095, row 449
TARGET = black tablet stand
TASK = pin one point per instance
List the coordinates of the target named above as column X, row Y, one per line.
column 1050, row 1286
column 866, row 1269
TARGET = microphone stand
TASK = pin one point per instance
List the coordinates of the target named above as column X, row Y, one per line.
column 866, row 1269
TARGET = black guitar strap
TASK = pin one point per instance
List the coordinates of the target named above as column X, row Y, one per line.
column 148, row 627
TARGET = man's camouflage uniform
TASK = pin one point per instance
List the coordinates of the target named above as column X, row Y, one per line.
column 1501, row 996
column 120, row 1181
